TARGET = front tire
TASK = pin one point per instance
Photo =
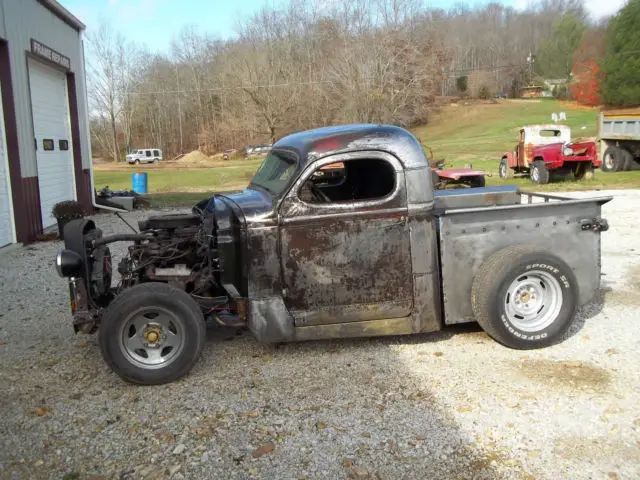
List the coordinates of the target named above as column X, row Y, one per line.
column 435, row 180
column 524, row 298
column 152, row 334
column 504, row 168
column 539, row 173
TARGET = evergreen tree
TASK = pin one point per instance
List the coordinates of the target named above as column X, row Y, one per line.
column 555, row 58
column 621, row 61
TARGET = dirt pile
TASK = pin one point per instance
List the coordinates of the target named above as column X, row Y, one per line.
column 195, row 158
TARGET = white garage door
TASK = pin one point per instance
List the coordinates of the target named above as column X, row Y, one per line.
column 6, row 210
column 50, row 108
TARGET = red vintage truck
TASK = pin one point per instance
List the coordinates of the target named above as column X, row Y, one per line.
column 544, row 151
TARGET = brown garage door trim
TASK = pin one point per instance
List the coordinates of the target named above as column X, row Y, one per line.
column 21, row 208
column 83, row 189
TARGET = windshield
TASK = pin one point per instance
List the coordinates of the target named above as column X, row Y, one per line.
column 275, row 172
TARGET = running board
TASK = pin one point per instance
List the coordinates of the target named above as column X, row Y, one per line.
column 369, row 328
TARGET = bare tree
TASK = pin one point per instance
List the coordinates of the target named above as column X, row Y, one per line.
column 112, row 68
column 306, row 64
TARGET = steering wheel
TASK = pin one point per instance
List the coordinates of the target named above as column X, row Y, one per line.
column 318, row 194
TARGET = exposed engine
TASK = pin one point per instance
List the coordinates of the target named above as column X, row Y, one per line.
column 178, row 249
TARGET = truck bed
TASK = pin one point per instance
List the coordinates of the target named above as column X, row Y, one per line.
column 472, row 224
column 476, row 197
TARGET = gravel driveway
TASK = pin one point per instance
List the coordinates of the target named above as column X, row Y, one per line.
column 449, row 405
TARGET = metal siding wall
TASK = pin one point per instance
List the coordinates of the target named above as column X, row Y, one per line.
column 3, row 33
column 26, row 19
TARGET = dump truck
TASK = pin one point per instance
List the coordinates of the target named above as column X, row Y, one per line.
column 618, row 139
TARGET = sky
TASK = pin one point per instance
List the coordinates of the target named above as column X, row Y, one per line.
column 155, row 22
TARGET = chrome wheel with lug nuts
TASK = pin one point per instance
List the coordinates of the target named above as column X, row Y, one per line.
column 533, row 301
column 152, row 333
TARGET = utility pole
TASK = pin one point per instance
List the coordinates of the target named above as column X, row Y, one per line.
column 530, row 62
column 179, row 110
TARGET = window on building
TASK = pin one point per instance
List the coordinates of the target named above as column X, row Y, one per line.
column 63, row 145
column 350, row 181
column 48, row 144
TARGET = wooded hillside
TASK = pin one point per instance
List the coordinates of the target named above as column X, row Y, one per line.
column 308, row 65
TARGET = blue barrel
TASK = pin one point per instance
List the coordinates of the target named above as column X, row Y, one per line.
column 139, row 182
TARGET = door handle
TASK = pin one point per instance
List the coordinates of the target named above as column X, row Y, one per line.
column 402, row 221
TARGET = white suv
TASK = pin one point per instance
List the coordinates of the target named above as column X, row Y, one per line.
column 146, row 155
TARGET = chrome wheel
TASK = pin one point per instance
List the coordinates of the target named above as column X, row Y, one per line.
column 533, row 301
column 535, row 174
column 608, row 161
column 152, row 337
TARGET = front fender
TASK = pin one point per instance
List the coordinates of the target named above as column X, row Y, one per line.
column 511, row 159
column 77, row 233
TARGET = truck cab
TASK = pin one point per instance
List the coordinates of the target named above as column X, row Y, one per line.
column 338, row 234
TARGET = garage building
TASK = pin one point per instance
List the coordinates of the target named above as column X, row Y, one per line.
column 45, row 152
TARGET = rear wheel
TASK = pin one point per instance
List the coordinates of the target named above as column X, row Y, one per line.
column 611, row 159
column 524, row 298
column 477, row 182
column 626, row 160
column 152, row 334
column 583, row 171
column 539, row 173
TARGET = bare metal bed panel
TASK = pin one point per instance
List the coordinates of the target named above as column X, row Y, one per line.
column 476, row 197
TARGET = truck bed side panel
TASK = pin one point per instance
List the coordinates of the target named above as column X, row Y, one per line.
column 467, row 238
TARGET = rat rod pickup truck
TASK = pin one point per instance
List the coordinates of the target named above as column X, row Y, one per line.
column 301, row 256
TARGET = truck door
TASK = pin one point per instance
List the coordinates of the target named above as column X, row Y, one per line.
column 344, row 241
column 522, row 162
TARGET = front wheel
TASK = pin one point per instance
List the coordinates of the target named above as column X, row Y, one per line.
column 152, row 334
column 504, row 168
column 524, row 298
column 435, row 180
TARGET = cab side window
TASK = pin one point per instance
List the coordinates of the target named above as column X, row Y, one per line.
column 350, row 181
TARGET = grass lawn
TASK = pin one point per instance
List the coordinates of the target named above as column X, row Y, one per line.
column 476, row 134
column 480, row 134
column 163, row 180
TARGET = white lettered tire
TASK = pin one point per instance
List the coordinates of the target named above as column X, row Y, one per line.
column 524, row 297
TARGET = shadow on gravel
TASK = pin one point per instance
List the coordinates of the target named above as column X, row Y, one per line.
column 325, row 409
column 586, row 313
